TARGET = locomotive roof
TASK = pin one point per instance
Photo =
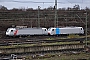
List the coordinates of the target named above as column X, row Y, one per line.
column 65, row 27
column 29, row 28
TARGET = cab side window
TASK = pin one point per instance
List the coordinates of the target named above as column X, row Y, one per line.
column 11, row 30
column 52, row 29
column 81, row 29
column 45, row 30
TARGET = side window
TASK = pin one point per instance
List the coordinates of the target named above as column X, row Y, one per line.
column 11, row 30
column 52, row 29
column 81, row 29
column 45, row 30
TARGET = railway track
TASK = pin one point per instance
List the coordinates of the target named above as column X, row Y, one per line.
column 15, row 41
column 7, row 46
column 34, row 50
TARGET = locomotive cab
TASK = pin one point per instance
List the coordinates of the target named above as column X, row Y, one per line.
column 10, row 31
column 82, row 30
column 44, row 31
column 51, row 31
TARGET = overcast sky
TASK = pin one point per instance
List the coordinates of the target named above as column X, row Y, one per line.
column 43, row 3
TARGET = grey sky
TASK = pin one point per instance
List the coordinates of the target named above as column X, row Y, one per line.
column 42, row 3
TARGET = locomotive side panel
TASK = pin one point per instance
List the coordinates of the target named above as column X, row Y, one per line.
column 69, row 31
column 31, row 31
column 57, row 31
column 74, row 30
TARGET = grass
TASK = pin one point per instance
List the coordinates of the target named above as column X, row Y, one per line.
column 41, row 44
column 67, row 37
column 62, row 57
column 15, row 46
column 57, row 43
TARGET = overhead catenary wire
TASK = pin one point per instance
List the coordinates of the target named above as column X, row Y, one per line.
column 29, row 1
column 40, row 2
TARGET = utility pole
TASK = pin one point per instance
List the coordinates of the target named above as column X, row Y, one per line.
column 55, row 22
column 45, row 22
column 38, row 16
column 86, row 29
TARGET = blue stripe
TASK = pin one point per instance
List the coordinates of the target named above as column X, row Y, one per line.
column 57, row 31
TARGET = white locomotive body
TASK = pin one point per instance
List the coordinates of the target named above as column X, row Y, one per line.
column 44, row 31
column 65, row 30
column 26, row 31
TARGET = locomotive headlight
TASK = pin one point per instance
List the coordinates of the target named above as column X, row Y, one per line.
column 7, row 33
